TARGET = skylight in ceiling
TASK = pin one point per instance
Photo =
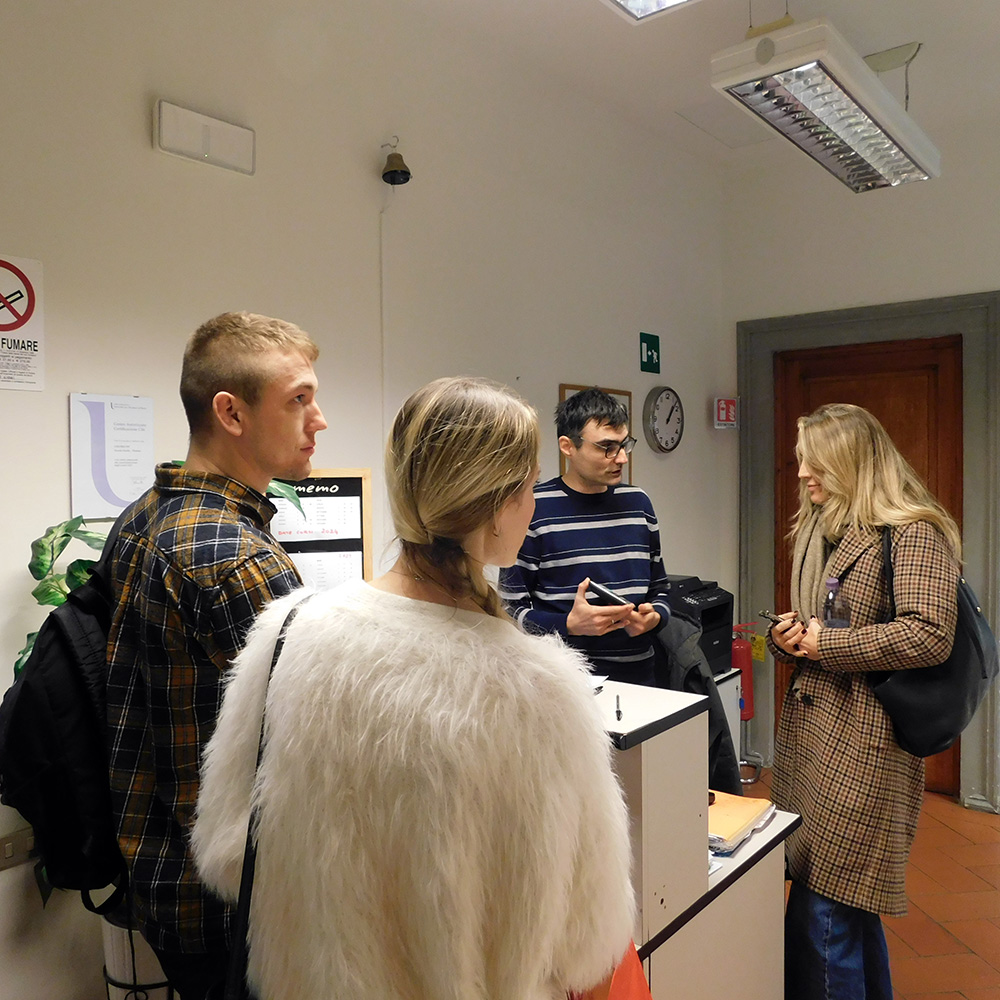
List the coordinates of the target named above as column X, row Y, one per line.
column 640, row 10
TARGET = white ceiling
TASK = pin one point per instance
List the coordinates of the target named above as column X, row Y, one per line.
column 649, row 71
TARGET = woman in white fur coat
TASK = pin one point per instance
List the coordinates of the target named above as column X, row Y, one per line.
column 438, row 818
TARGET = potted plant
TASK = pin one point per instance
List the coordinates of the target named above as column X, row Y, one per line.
column 53, row 585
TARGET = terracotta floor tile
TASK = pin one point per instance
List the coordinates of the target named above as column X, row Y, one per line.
column 978, row 833
column 925, row 819
column 973, row 854
column 941, row 806
column 918, row 884
column 960, row 905
column 977, row 816
column 950, row 813
column 991, row 873
column 987, row 994
column 940, row 973
column 923, row 935
column 982, row 936
column 942, row 836
column 946, row 871
column 898, row 948
column 935, row 996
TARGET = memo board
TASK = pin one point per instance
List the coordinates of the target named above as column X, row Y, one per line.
column 333, row 542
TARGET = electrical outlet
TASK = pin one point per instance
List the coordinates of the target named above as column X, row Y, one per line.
column 16, row 847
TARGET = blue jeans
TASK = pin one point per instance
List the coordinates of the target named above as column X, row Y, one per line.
column 833, row 951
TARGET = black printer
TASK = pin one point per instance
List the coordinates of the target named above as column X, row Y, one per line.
column 706, row 604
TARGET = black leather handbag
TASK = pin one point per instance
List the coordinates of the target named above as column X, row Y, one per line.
column 931, row 706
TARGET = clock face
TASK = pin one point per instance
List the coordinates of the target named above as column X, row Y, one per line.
column 663, row 419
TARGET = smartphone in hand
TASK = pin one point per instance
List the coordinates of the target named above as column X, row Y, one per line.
column 773, row 618
column 604, row 596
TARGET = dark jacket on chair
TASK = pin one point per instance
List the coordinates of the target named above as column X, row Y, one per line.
column 681, row 666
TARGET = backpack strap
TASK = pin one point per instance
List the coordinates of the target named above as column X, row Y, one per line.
column 118, row 895
column 101, row 570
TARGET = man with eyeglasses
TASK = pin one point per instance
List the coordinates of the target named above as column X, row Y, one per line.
column 589, row 526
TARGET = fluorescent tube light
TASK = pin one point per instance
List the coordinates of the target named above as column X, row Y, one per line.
column 807, row 83
column 640, row 10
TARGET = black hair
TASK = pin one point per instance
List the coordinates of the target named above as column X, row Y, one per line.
column 573, row 414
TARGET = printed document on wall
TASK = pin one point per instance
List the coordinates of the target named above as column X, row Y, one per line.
column 22, row 326
column 111, row 446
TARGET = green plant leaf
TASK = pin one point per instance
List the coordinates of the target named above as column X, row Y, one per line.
column 22, row 657
column 42, row 881
column 78, row 571
column 92, row 538
column 276, row 488
column 51, row 590
column 45, row 550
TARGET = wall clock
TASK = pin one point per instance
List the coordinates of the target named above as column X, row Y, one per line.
column 663, row 418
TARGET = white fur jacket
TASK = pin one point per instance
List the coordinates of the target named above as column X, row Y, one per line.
column 438, row 815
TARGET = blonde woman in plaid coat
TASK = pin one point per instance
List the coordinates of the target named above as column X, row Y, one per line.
column 837, row 762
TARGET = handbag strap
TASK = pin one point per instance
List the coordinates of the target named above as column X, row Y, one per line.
column 236, row 976
column 887, row 569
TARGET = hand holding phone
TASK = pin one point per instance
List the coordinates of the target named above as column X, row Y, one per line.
column 606, row 596
column 782, row 638
column 607, row 613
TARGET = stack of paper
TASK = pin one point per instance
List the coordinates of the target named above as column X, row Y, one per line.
column 732, row 818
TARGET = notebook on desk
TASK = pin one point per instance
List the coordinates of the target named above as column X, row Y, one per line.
column 732, row 818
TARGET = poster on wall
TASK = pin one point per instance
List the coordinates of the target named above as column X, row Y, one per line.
column 22, row 330
column 330, row 539
column 111, row 452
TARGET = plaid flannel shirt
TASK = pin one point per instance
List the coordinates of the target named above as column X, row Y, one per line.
column 193, row 566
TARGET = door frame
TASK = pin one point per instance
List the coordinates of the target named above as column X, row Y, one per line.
column 977, row 318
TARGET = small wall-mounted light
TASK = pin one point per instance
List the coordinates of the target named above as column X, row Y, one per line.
column 186, row 133
column 395, row 170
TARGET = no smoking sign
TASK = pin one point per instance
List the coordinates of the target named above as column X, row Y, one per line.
column 17, row 296
column 22, row 341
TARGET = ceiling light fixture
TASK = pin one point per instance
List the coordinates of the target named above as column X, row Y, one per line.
column 641, row 10
column 806, row 82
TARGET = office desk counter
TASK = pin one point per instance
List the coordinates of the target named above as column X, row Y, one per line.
column 684, row 914
column 662, row 763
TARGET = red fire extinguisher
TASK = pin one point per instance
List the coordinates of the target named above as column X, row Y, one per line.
column 743, row 660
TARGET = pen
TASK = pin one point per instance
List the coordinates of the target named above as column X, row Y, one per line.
column 618, row 707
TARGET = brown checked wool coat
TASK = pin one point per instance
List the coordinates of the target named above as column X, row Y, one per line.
column 836, row 760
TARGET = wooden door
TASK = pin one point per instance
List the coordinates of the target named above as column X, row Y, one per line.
column 914, row 387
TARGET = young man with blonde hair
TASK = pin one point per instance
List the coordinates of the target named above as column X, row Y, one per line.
column 192, row 567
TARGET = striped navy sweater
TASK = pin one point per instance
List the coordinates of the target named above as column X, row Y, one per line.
column 613, row 538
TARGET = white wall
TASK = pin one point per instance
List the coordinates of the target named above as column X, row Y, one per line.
column 802, row 242
column 531, row 246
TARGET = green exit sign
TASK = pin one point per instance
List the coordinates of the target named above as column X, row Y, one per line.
column 649, row 352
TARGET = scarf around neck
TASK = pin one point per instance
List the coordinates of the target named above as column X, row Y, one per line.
column 809, row 558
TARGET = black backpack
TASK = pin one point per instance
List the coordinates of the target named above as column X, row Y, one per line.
column 53, row 752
